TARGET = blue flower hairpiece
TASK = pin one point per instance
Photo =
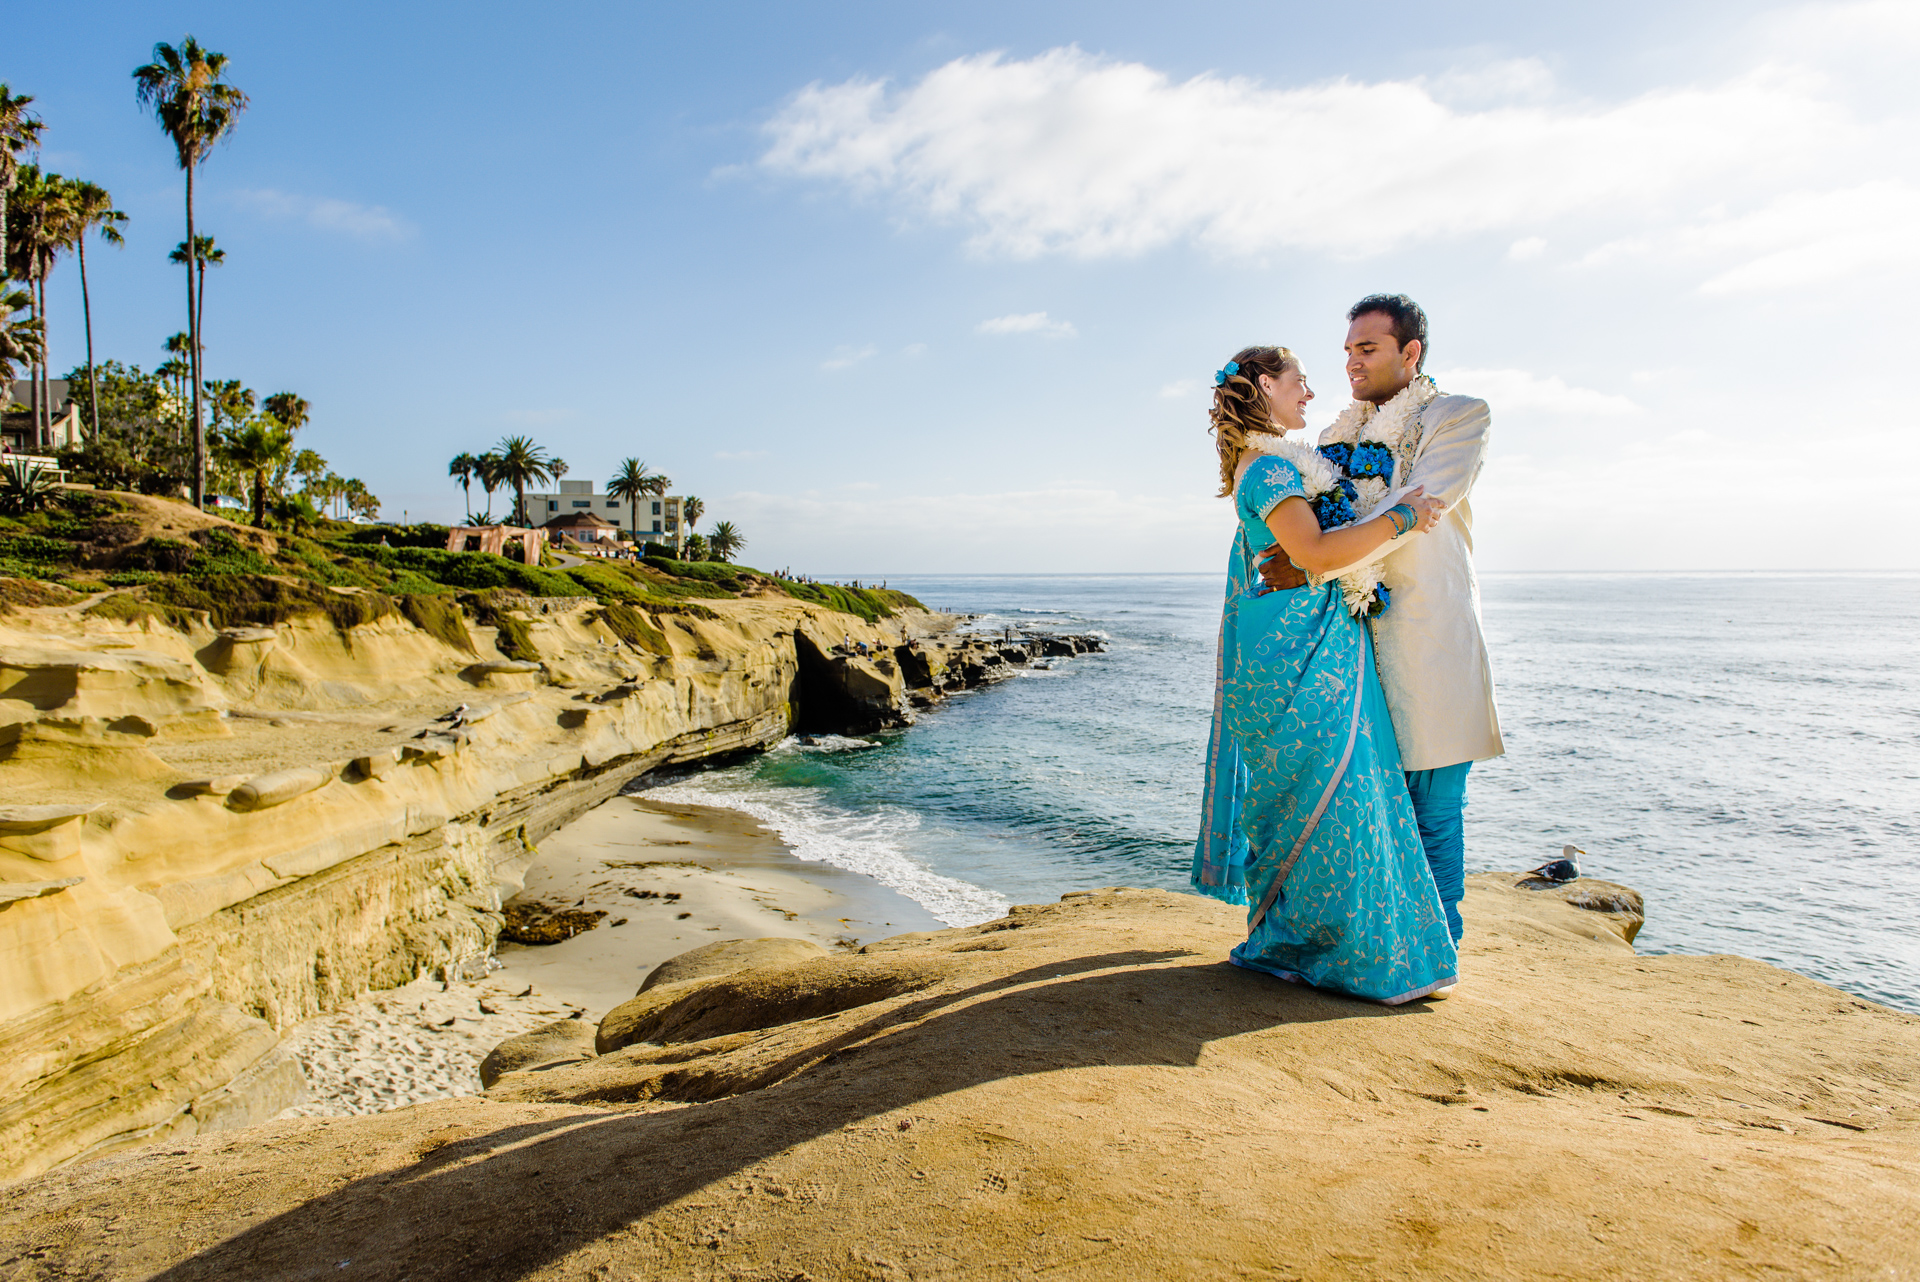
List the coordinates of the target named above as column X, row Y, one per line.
column 1220, row 377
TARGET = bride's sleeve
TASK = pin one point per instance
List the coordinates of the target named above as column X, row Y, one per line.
column 1267, row 483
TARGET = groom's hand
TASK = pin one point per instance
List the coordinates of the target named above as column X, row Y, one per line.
column 1278, row 573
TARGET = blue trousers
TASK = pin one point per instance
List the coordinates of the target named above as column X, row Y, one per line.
column 1439, row 797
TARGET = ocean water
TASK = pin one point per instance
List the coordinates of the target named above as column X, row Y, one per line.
column 1742, row 749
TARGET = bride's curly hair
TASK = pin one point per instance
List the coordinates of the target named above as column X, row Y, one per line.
column 1240, row 408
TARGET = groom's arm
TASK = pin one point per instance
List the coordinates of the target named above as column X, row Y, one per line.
column 1455, row 452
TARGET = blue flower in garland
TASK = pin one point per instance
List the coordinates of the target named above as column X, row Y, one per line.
column 1220, row 376
column 1370, row 458
column 1381, row 603
column 1337, row 454
column 1335, row 507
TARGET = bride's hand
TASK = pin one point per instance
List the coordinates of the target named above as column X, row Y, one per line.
column 1427, row 511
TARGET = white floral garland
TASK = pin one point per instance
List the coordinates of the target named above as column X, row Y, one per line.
column 1317, row 476
column 1395, row 425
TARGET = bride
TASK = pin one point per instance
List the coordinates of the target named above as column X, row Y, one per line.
column 1306, row 818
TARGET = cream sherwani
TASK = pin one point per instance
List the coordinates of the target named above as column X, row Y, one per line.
column 1431, row 653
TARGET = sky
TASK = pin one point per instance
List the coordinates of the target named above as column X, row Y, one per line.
column 907, row 288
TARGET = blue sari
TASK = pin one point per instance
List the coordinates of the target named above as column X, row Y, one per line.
column 1306, row 818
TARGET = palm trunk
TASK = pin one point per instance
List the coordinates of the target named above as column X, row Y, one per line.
column 42, row 394
column 200, row 307
column 86, row 310
column 259, row 498
column 199, row 488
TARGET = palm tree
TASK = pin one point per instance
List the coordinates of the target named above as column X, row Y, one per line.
column 487, row 468
column 726, row 541
column 93, row 207
column 289, row 409
column 258, row 447
column 557, row 466
column 231, row 404
column 693, row 507
column 19, row 131
column 20, row 341
column 522, row 463
column 205, row 254
column 37, row 234
column 633, row 482
column 696, row 549
column 196, row 109
column 462, row 469
column 175, row 372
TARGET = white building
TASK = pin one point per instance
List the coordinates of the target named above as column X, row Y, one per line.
column 659, row 515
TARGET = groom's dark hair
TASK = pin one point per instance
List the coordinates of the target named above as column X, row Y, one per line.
column 1409, row 322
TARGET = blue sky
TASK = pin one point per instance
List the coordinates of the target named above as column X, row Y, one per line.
column 917, row 288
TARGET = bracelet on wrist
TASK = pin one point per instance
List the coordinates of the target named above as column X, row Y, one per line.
column 1403, row 518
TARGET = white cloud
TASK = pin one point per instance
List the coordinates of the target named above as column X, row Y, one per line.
column 914, row 349
column 369, row 222
column 845, row 357
column 1181, row 388
column 1070, row 153
column 1028, row 323
column 1516, row 390
column 1797, row 240
column 1522, row 250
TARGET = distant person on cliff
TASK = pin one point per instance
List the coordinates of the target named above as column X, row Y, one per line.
column 1305, row 816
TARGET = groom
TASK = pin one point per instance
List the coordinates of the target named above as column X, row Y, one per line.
column 1431, row 656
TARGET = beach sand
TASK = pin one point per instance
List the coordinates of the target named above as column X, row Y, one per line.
column 734, row 878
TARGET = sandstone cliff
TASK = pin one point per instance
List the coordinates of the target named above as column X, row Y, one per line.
column 1085, row 1090
column 211, row 834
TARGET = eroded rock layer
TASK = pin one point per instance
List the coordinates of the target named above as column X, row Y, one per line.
column 1086, row 1090
column 209, row 835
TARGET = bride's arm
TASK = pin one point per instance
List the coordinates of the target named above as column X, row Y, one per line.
column 1318, row 551
column 1448, row 466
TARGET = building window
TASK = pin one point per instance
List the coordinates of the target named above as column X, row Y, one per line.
column 613, row 502
column 553, row 505
column 656, row 527
column 583, row 502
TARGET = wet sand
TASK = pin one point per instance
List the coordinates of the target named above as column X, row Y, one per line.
column 733, row 878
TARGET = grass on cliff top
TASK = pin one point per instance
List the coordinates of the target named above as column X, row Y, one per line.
column 871, row 604
column 237, row 576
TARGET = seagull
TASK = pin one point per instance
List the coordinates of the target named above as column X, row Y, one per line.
column 1564, row 869
column 455, row 716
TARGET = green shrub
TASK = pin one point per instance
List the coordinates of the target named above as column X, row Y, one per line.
column 439, row 617
column 34, row 547
column 422, row 535
column 252, row 600
column 159, row 554
column 314, row 562
column 131, row 578
column 871, row 604
column 512, row 636
column 223, row 555
column 470, row 571
column 15, row 590
column 414, row 583
column 635, row 628
column 128, row 608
